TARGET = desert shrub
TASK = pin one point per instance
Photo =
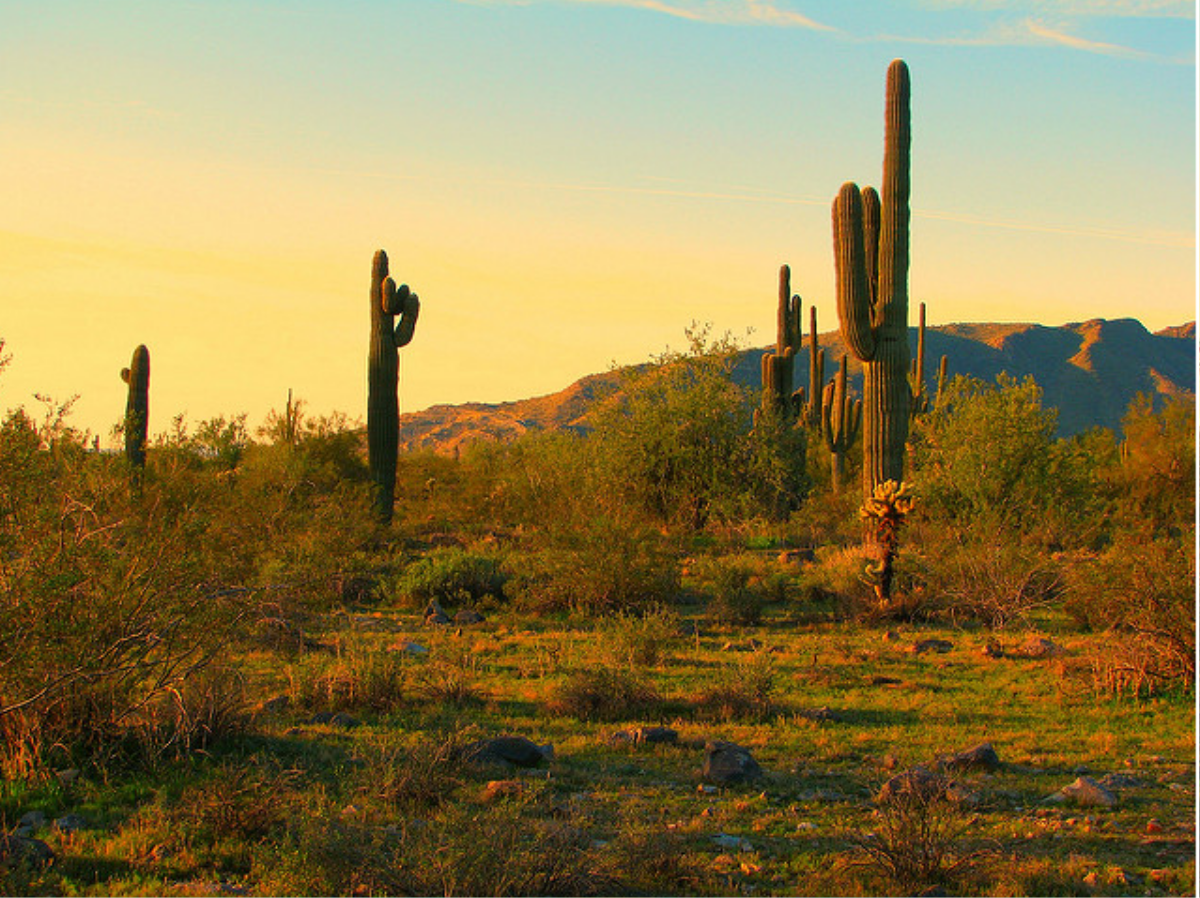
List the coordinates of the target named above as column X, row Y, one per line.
column 677, row 442
column 917, row 837
column 743, row 691
column 734, row 598
column 986, row 460
column 239, row 802
column 996, row 582
column 1155, row 483
column 605, row 564
column 451, row 575
column 603, row 693
column 358, row 677
column 419, row 776
column 640, row 639
column 1143, row 589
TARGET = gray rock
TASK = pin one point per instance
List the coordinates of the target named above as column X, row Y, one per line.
column 981, row 757
column 726, row 763
column 822, row 714
column 370, row 624
column 435, row 615
column 32, row 819
column 468, row 616
column 516, row 751
column 1039, row 647
column 70, row 823
column 937, row 646
column 15, row 850
column 335, row 719
column 915, row 784
column 1085, row 792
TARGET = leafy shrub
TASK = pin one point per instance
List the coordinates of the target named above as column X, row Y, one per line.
column 735, row 600
column 997, row 583
column 603, row 693
column 639, row 639
column 453, row 576
column 744, row 692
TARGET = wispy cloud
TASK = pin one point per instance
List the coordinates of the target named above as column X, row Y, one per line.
column 715, row 12
column 1122, row 9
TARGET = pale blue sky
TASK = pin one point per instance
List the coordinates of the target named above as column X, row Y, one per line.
column 565, row 182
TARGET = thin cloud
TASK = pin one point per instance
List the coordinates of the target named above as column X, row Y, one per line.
column 1117, row 9
column 713, row 12
column 1053, row 36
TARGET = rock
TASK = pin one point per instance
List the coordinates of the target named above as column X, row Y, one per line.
column 435, row 615
column 408, row 647
column 16, row 850
column 726, row 763
column 917, row 783
column 508, row 750
column 937, row 646
column 822, row 714
column 646, row 736
column 879, row 680
column 68, row 776
column 731, row 843
column 335, row 719
column 1153, row 827
column 370, row 624
column 70, row 823
column 981, row 757
column 32, row 819
column 468, row 616
column 273, row 705
column 1039, row 647
column 496, row 790
column 891, row 636
column 1085, row 792
column 992, row 650
column 1120, row 781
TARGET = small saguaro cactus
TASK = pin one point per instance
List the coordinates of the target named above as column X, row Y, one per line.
column 810, row 405
column 383, row 371
column 871, row 257
column 778, row 366
column 920, row 403
column 841, row 417
column 137, row 409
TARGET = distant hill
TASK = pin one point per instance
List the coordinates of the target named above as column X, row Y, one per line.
column 1089, row 371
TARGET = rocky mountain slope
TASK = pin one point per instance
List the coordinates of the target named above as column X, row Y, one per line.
column 1090, row 371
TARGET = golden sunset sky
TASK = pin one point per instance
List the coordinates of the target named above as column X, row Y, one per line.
column 566, row 183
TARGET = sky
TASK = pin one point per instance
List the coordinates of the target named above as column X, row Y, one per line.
column 567, row 184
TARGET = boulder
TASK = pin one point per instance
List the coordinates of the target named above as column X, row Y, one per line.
column 1085, row 792
column 468, row 616
column 917, row 783
column 726, row 763
column 15, row 850
column 1039, row 647
column 981, row 757
column 516, row 751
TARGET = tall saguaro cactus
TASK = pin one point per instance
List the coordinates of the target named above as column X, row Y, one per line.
column 841, row 417
column 383, row 370
column 137, row 409
column 871, row 257
column 916, row 377
column 778, row 366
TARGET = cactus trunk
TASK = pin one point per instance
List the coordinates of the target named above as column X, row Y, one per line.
column 871, row 256
column 383, row 367
column 137, row 410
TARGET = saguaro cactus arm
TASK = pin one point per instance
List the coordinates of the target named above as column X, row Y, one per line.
column 137, row 406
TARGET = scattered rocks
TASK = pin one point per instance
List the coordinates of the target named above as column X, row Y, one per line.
column 981, row 757
column 936, row 646
column 1085, row 792
column 1120, row 781
column 516, row 751
column 726, row 763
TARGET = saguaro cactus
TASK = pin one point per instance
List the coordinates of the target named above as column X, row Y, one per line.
column 137, row 409
column 383, row 370
column 840, row 420
column 871, row 257
column 778, row 366
column 916, row 376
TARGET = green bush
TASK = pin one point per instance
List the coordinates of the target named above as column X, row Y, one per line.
column 453, row 576
column 603, row 693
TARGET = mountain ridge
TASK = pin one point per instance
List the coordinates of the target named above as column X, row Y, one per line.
column 1089, row 371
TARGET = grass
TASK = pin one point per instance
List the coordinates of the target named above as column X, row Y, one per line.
column 299, row 807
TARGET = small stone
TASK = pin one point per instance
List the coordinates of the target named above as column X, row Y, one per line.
column 335, row 719
column 992, row 650
column 891, row 636
column 1039, row 647
column 823, row 713
column 731, row 843
column 1153, row 827
column 705, row 789
column 499, row 789
column 936, row 646
column 468, row 616
column 515, row 750
column 17, row 849
column 68, row 776
column 70, row 823
column 709, row 811
column 408, row 647
column 1092, row 880
column 32, row 819
column 916, row 782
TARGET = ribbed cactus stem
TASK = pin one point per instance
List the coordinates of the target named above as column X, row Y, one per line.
column 811, row 412
column 841, row 418
column 383, row 368
column 778, row 367
column 137, row 409
column 872, row 291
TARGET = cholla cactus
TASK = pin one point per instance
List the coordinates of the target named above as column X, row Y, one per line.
column 885, row 511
